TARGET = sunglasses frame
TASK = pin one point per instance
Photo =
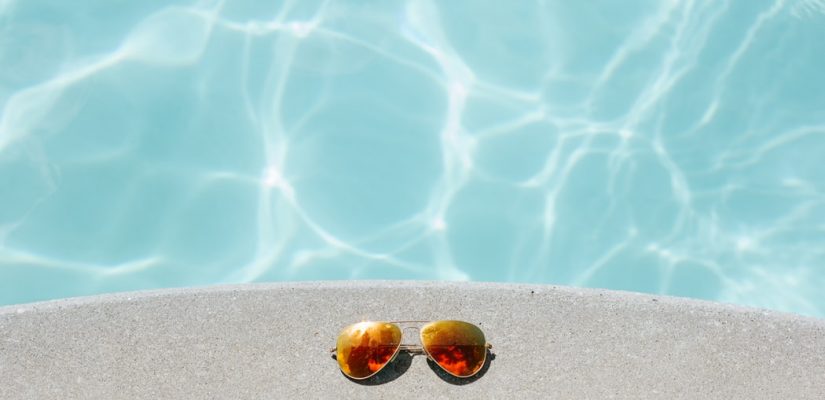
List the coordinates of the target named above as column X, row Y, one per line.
column 415, row 349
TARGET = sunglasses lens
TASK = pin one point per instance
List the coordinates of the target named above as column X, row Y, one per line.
column 458, row 347
column 366, row 347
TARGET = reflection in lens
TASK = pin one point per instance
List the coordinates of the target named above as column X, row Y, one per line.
column 458, row 347
column 366, row 347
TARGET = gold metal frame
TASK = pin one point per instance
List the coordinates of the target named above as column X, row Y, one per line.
column 415, row 349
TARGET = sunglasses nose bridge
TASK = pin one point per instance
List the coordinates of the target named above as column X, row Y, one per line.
column 414, row 333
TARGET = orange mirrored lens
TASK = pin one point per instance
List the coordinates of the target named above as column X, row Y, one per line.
column 458, row 347
column 366, row 347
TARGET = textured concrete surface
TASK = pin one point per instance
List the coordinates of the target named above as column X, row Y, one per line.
column 271, row 341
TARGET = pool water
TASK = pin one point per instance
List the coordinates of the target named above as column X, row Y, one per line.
column 671, row 147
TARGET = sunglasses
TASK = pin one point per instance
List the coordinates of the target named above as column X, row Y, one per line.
column 365, row 348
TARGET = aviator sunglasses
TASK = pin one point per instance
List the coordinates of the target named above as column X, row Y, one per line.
column 365, row 348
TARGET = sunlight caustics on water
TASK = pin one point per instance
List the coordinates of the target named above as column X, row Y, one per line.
column 670, row 147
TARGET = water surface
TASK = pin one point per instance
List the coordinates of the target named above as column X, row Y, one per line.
column 670, row 147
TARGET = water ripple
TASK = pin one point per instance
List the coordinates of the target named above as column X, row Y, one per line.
column 659, row 146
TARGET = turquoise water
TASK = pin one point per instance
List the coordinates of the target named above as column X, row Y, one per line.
column 670, row 147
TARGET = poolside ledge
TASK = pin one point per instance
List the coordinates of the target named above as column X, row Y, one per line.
column 272, row 340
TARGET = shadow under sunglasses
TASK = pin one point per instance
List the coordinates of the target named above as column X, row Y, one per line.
column 401, row 363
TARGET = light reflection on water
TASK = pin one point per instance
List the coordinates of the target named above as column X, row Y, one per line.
column 659, row 146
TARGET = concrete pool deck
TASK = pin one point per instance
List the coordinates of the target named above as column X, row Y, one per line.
column 272, row 341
